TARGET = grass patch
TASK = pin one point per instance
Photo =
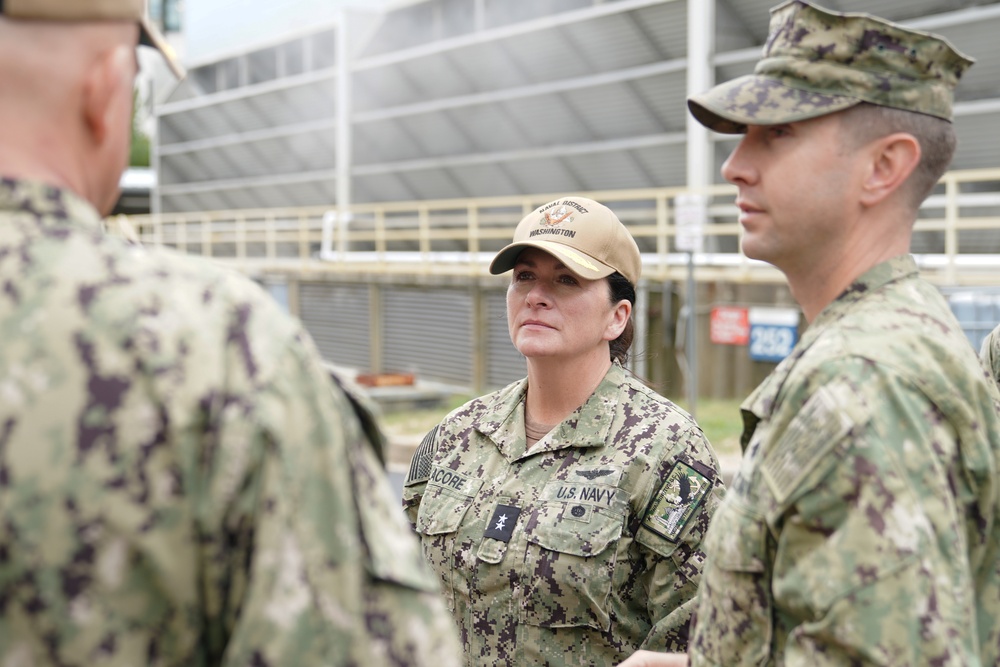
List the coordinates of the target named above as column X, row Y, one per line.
column 417, row 422
column 720, row 419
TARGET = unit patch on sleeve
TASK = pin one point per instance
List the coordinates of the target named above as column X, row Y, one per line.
column 677, row 501
column 501, row 526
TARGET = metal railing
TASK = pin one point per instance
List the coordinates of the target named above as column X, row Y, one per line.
column 956, row 239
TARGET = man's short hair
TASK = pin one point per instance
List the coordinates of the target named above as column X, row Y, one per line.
column 867, row 122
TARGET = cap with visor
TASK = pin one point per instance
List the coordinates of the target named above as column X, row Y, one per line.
column 587, row 237
column 95, row 10
column 817, row 61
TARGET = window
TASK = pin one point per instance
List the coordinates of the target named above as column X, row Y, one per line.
column 166, row 14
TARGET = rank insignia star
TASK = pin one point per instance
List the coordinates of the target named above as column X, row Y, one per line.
column 502, row 523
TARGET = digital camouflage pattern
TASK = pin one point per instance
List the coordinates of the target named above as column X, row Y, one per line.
column 180, row 482
column 863, row 524
column 990, row 354
column 817, row 62
column 548, row 557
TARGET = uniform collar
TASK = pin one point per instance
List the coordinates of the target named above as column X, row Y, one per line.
column 51, row 205
column 588, row 426
column 760, row 404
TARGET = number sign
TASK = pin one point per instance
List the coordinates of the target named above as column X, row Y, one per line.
column 773, row 333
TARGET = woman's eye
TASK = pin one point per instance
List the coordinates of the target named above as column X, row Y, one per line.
column 568, row 279
column 522, row 275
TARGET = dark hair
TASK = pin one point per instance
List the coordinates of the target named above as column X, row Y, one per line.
column 621, row 288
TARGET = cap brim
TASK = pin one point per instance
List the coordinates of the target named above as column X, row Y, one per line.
column 757, row 100
column 579, row 263
column 150, row 36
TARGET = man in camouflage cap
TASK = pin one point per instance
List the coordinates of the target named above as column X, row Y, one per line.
column 863, row 526
column 181, row 483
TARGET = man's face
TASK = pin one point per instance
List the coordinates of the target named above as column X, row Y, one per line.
column 796, row 191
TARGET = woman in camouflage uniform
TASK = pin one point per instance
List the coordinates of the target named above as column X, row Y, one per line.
column 565, row 512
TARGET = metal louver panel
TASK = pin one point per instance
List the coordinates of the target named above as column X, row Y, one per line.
column 504, row 364
column 429, row 332
column 337, row 317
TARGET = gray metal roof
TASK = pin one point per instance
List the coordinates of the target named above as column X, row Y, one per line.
column 468, row 98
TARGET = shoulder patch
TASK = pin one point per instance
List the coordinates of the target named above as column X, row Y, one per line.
column 423, row 459
column 822, row 422
column 677, row 501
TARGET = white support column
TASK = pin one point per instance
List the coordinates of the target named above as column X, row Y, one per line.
column 700, row 76
column 344, row 139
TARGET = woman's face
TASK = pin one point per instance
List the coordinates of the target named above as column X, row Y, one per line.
column 551, row 312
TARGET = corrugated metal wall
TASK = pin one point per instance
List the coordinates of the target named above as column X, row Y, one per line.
column 429, row 332
column 338, row 319
column 504, row 363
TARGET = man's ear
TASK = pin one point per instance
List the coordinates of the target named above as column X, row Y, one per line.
column 893, row 159
column 107, row 76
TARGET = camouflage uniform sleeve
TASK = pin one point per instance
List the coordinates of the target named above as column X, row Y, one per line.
column 870, row 560
column 675, row 561
column 990, row 354
column 420, row 470
column 333, row 577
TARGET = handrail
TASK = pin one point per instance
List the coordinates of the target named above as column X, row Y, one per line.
column 956, row 238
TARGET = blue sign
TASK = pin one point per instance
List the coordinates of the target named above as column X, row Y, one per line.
column 773, row 333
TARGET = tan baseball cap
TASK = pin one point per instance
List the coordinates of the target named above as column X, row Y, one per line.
column 584, row 235
column 95, row 10
column 817, row 61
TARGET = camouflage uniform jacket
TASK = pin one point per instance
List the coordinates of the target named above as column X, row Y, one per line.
column 862, row 526
column 990, row 354
column 180, row 482
column 548, row 557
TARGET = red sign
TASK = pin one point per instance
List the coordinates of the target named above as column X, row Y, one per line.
column 729, row 325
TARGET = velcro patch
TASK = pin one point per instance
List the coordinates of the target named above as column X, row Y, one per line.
column 829, row 415
column 588, row 494
column 501, row 526
column 676, row 502
column 451, row 479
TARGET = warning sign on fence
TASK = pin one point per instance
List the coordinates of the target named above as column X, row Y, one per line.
column 729, row 325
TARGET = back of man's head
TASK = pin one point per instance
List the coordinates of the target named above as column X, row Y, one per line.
column 67, row 69
column 93, row 11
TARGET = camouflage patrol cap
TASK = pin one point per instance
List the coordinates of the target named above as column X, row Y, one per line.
column 95, row 10
column 817, row 62
column 584, row 235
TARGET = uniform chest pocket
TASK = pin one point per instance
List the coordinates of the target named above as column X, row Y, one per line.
column 446, row 500
column 735, row 608
column 569, row 563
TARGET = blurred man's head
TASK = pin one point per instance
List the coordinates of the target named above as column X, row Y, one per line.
column 67, row 69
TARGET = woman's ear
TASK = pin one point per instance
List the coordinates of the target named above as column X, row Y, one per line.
column 893, row 158
column 622, row 311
